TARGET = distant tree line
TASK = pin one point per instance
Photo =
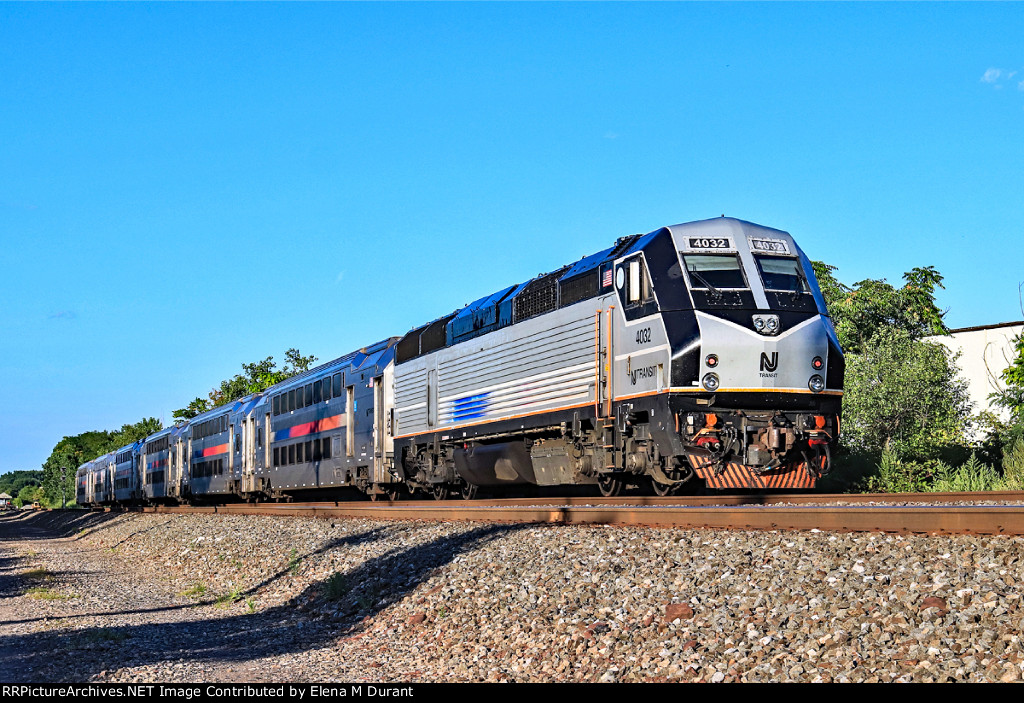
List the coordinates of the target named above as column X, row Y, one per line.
column 254, row 378
column 58, row 471
column 22, row 486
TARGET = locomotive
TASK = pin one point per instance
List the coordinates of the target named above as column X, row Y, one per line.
column 700, row 354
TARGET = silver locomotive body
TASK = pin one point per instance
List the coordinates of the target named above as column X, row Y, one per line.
column 699, row 349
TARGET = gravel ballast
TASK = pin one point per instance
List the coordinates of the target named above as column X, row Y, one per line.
column 207, row 598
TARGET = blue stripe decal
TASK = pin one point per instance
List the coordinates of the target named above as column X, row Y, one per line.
column 470, row 407
column 467, row 416
column 470, row 399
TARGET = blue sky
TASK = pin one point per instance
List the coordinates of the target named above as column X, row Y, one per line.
column 186, row 187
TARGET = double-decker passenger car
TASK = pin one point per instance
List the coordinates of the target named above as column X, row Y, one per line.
column 698, row 352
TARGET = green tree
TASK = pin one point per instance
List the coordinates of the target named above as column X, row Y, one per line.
column 129, row 434
column 13, row 481
column 255, row 377
column 196, row 407
column 872, row 305
column 904, row 394
column 71, row 452
column 68, row 454
column 28, row 495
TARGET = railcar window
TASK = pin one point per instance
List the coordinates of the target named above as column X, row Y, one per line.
column 309, row 394
column 298, row 453
column 782, row 274
column 277, row 405
column 325, row 449
column 336, row 388
column 291, row 400
column 277, row 456
column 291, row 453
column 318, row 392
column 714, row 271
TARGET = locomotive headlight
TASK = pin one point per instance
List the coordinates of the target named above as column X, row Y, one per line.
column 710, row 381
column 816, row 384
column 712, row 360
column 817, row 363
column 767, row 324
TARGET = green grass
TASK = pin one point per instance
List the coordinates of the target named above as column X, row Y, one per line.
column 39, row 574
column 336, row 587
column 226, row 599
column 971, row 476
column 294, row 561
column 197, row 591
column 44, row 593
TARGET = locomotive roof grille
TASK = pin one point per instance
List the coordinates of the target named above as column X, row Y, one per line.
column 578, row 288
column 539, row 297
column 547, row 292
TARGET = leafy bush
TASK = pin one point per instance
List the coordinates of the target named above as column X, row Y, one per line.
column 1013, row 464
column 974, row 475
column 904, row 394
column 895, row 475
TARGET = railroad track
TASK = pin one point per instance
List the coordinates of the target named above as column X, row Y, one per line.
column 933, row 513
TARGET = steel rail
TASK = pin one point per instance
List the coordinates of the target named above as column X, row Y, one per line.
column 723, row 499
column 921, row 519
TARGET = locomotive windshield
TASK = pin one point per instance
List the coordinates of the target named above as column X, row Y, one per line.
column 713, row 271
column 782, row 274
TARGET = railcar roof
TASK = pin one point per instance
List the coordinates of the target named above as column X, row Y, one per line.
column 358, row 359
column 717, row 226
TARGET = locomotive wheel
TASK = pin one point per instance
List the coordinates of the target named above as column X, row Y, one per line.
column 469, row 491
column 665, row 489
column 610, row 486
column 388, row 495
column 440, row 491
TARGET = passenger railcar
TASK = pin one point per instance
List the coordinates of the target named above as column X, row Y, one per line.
column 328, row 427
column 700, row 353
column 127, row 477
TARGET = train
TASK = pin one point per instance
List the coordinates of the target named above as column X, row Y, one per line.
column 699, row 355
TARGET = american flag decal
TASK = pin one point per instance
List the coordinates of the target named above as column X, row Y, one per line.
column 606, row 280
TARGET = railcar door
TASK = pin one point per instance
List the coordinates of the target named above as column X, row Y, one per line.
column 173, row 470
column 248, row 454
column 378, row 430
column 604, row 352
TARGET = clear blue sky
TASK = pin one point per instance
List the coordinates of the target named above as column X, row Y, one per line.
column 184, row 187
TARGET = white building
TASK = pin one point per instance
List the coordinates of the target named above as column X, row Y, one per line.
column 985, row 352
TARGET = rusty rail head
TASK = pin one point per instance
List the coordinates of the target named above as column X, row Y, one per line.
column 921, row 519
